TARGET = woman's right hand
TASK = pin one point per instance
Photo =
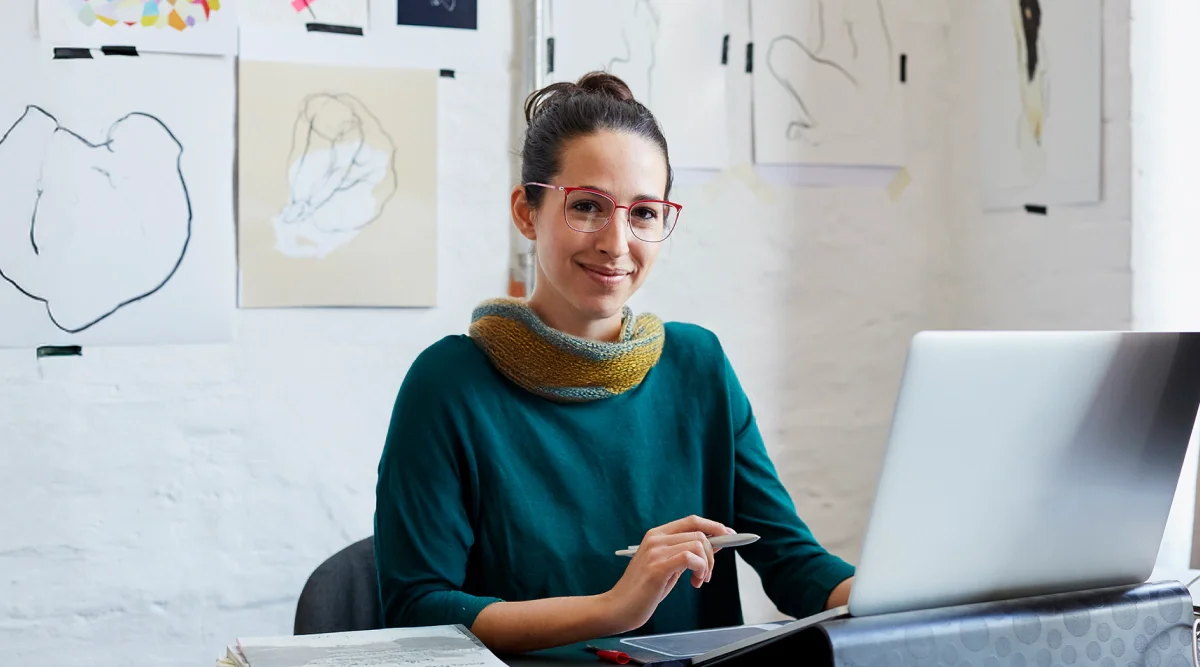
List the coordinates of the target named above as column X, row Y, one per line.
column 665, row 553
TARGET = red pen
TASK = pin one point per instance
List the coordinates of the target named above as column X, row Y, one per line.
column 615, row 657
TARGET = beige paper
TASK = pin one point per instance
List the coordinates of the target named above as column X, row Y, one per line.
column 337, row 186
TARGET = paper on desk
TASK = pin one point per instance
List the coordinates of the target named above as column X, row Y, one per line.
column 440, row 646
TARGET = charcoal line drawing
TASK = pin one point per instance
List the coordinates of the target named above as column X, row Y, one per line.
column 341, row 174
column 639, row 33
column 1033, row 83
column 104, row 225
column 645, row 33
column 837, row 74
column 1027, row 24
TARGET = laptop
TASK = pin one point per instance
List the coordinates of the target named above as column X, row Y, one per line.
column 1018, row 464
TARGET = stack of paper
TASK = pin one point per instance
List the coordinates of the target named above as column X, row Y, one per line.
column 439, row 646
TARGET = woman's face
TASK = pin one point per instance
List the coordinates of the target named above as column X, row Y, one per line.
column 589, row 276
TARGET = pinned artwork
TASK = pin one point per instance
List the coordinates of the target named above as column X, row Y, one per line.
column 1040, row 102
column 300, row 13
column 463, row 14
column 671, row 53
column 134, row 167
column 337, row 208
column 827, row 86
column 116, row 203
column 177, row 26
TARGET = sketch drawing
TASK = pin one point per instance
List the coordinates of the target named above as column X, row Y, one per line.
column 835, row 71
column 1040, row 67
column 176, row 14
column 1033, row 83
column 341, row 176
column 669, row 53
column 54, row 245
column 296, row 14
column 627, row 49
column 640, row 39
column 448, row 5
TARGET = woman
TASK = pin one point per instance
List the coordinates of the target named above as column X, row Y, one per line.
column 520, row 457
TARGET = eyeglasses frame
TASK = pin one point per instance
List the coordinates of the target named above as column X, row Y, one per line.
column 568, row 189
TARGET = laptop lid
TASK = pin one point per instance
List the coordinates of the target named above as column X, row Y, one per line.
column 1027, row 463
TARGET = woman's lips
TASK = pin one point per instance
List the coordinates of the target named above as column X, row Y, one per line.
column 604, row 275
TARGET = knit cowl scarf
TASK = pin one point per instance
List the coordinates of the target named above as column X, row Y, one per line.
column 559, row 366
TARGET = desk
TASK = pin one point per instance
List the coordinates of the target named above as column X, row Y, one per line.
column 576, row 654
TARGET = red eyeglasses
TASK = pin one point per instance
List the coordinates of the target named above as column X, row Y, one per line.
column 589, row 210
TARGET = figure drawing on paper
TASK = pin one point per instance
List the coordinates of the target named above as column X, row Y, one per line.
column 174, row 14
column 836, row 72
column 632, row 56
column 89, row 228
column 1033, row 83
column 640, row 39
column 341, row 175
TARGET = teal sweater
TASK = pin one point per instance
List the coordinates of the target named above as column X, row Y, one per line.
column 487, row 492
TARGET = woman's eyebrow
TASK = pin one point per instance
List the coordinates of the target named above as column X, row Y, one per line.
column 641, row 197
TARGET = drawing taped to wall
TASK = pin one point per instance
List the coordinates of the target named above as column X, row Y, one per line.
column 51, row 240
column 461, row 14
column 341, row 174
column 669, row 52
column 1039, row 81
column 116, row 201
column 337, row 208
column 826, row 83
column 299, row 13
column 1030, row 51
column 174, row 14
column 178, row 26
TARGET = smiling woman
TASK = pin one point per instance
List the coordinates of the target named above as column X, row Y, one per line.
column 564, row 428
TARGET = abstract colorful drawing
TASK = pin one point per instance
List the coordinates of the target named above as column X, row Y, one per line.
column 177, row 14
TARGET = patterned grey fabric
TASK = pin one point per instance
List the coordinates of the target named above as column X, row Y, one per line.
column 1140, row 626
column 342, row 594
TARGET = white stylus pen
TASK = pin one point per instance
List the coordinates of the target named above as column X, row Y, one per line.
column 718, row 542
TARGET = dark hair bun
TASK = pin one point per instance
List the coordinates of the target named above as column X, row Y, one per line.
column 562, row 111
column 602, row 84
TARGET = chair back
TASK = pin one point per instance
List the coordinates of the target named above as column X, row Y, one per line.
column 341, row 595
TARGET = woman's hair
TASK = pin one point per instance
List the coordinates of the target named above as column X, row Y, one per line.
column 563, row 111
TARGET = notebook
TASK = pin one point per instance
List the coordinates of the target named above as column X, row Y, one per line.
column 436, row 646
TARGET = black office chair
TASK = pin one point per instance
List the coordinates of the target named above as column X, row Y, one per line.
column 342, row 594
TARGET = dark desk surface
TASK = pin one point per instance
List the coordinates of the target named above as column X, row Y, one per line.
column 575, row 654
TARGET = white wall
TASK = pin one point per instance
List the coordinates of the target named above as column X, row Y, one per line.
column 158, row 503
column 1166, row 235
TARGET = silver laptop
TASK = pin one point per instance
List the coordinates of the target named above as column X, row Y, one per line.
column 1026, row 464
column 1019, row 463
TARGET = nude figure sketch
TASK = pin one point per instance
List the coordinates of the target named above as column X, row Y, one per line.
column 835, row 70
column 341, row 174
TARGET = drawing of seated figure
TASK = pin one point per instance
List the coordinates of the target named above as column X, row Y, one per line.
column 341, row 176
column 836, row 71
column 90, row 227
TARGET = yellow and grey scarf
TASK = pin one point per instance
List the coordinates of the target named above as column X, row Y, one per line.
column 560, row 366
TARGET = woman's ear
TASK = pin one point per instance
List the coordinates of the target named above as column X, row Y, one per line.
column 523, row 214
